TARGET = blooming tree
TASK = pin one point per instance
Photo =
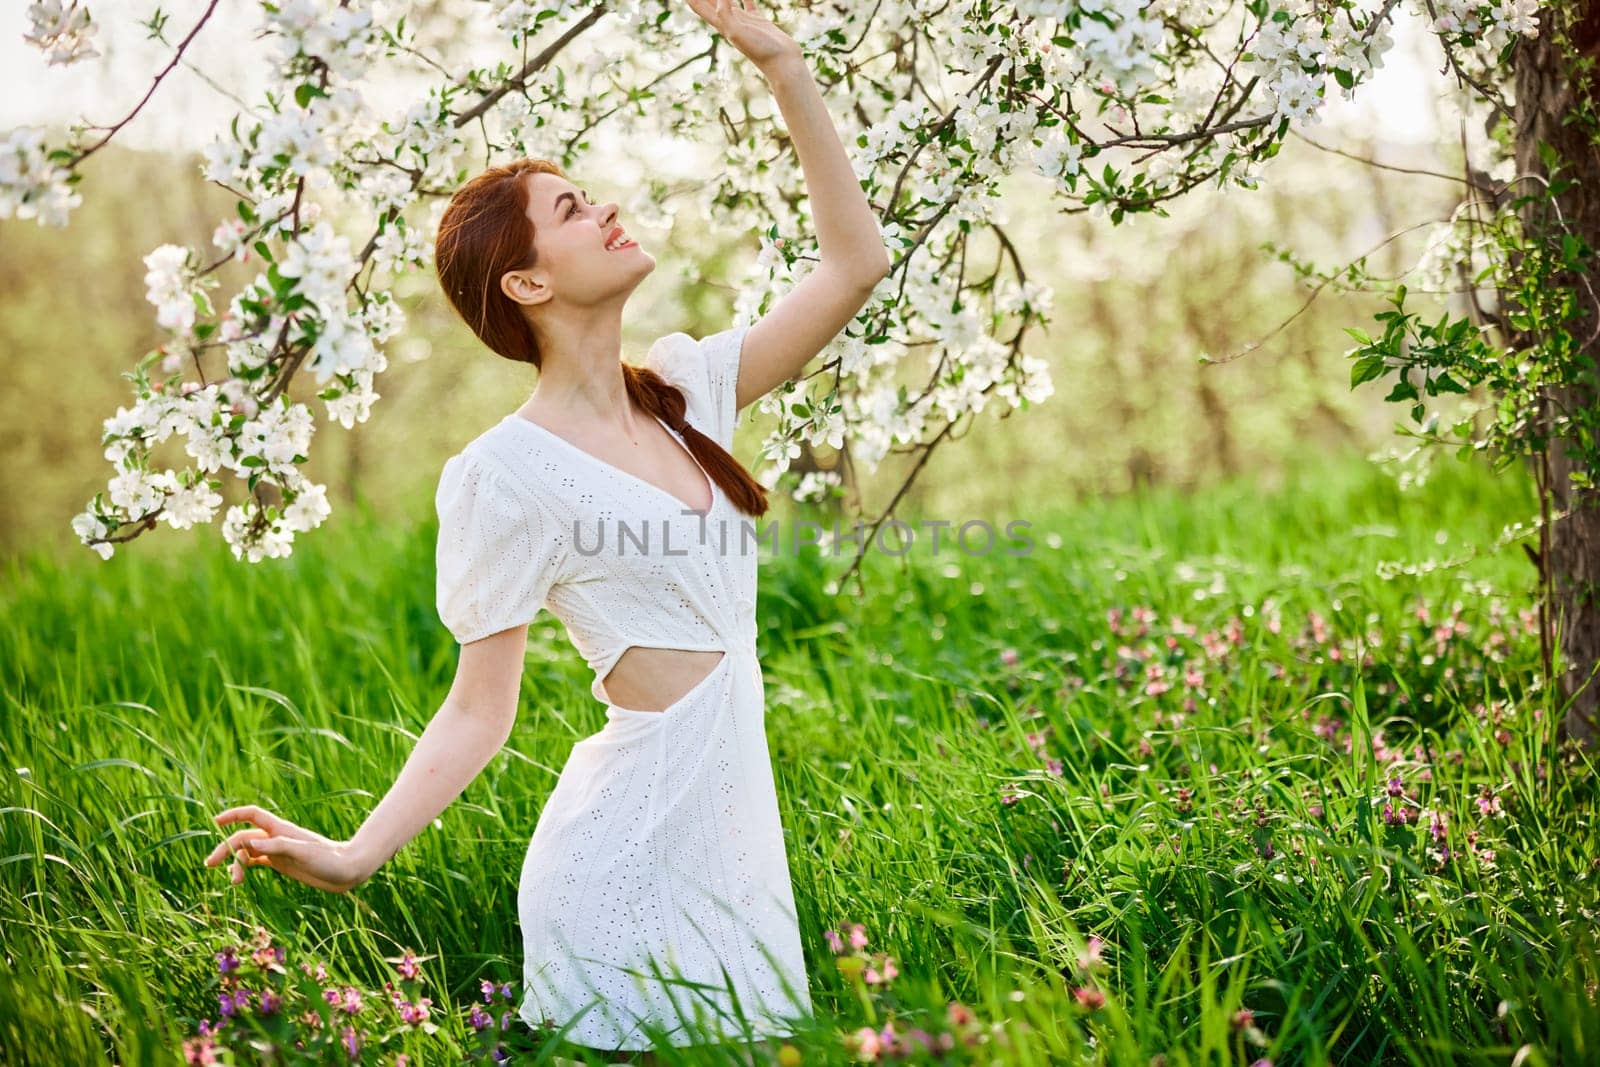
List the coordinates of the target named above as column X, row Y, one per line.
column 1120, row 105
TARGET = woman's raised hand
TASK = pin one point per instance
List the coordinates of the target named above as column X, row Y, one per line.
column 751, row 32
column 275, row 842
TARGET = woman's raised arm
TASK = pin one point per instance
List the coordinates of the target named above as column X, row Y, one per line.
column 851, row 256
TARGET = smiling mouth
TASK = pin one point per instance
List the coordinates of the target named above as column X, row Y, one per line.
column 629, row 243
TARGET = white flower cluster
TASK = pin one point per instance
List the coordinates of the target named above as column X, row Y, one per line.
column 31, row 186
column 1295, row 56
column 170, row 285
column 308, row 142
column 1126, row 48
column 338, row 33
column 1505, row 19
column 518, row 17
column 425, row 138
column 272, row 442
column 255, row 532
column 61, row 31
column 1057, row 157
column 817, row 485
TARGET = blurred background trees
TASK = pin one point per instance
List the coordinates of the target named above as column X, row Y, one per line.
column 1135, row 307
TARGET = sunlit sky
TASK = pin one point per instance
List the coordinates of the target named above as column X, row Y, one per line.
column 1398, row 107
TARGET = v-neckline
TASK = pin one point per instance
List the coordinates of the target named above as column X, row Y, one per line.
column 597, row 461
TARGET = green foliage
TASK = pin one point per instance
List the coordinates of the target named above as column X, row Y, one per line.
column 1542, row 320
column 1023, row 766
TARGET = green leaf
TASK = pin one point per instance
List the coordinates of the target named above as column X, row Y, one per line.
column 1365, row 369
column 1403, row 390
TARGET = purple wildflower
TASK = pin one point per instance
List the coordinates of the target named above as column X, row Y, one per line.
column 1396, row 816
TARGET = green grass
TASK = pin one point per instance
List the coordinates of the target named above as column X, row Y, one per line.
column 971, row 765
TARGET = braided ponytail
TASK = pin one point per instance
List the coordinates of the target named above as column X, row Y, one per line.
column 666, row 401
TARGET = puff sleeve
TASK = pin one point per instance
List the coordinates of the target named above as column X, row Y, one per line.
column 497, row 554
column 707, row 371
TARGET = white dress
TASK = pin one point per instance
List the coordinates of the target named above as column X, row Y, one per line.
column 656, row 887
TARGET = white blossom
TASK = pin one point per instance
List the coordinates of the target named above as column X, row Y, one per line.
column 61, row 31
column 31, row 186
column 168, row 286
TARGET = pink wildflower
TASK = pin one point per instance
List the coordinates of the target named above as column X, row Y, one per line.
column 1091, row 999
column 866, row 1043
column 199, row 1050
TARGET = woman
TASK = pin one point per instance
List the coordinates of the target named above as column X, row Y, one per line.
column 656, row 888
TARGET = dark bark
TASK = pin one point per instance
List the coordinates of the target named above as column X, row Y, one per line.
column 1555, row 96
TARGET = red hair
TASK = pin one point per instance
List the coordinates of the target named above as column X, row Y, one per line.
column 485, row 232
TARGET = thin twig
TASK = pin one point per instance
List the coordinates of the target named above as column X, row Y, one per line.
column 112, row 130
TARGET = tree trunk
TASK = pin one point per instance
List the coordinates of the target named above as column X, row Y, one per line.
column 1552, row 102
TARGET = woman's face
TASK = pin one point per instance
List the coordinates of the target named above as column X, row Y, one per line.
column 574, row 265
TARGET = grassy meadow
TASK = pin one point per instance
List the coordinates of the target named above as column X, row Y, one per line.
column 1187, row 784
